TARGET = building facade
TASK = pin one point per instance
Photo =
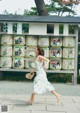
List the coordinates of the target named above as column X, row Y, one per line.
column 58, row 36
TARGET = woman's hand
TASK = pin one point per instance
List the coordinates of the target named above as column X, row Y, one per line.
column 32, row 71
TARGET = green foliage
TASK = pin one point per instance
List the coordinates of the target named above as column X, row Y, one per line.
column 14, row 76
column 52, row 77
column 25, row 27
column 53, row 8
column 20, row 76
column 33, row 11
column 57, row 8
column 62, row 78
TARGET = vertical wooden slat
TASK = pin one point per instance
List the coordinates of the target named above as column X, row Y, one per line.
column 56, row 29
column 66, row 29
column 10, row 29
column 19, row 28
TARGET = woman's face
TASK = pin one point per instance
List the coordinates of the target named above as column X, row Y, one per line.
column 36, row 52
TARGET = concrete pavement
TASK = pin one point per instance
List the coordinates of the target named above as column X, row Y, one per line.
column 16, row 101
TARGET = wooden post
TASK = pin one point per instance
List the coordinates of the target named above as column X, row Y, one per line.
column 73, row 78
column 76, row 58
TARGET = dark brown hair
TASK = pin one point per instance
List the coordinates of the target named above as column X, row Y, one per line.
column 40, row 50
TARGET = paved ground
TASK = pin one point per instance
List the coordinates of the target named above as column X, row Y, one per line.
column 15, row 94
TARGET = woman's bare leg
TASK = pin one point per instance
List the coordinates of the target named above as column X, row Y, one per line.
column 56, row 94
column 32, row 98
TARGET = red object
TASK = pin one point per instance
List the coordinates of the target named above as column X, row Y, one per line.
column 53, row 62
column 76, row 2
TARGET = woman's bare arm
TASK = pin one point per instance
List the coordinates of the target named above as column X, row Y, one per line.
column 46, row 59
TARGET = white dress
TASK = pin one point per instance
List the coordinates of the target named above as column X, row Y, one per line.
column 41, row 83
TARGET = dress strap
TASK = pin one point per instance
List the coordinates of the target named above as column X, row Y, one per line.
column 38, row 60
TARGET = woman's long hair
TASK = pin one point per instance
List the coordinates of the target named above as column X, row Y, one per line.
column 40, row 50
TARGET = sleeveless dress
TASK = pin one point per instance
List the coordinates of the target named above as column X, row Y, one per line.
column 41, row 83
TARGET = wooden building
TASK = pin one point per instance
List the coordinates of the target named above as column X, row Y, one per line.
column 58, row 36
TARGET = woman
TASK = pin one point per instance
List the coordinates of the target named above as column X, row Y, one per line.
column 41, row 83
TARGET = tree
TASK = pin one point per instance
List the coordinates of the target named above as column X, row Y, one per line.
column 59, row 9
column 55, row 7
column 6, row 12
column 41, row 8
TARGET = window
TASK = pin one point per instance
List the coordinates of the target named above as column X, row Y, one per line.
column 50, row 28
column 72, row 29
column 25, row 28
column 3, row 27
column 79, row 35
column 14, row 27
column 61, row 27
